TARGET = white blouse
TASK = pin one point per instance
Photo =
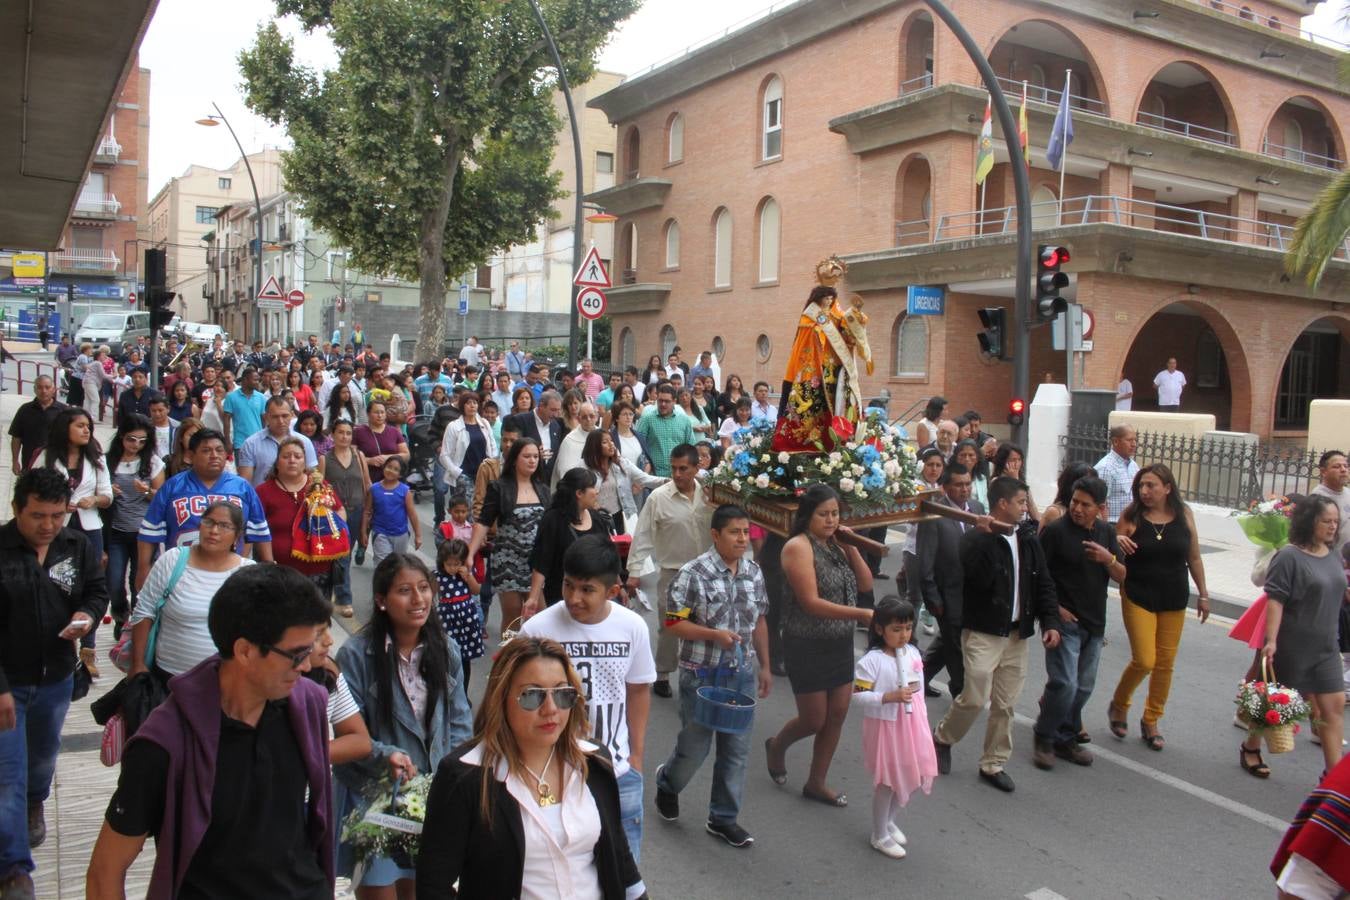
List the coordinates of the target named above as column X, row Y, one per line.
column 94, row 482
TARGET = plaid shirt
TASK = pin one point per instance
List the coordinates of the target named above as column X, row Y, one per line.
column 708, row 593
column 1118, row 473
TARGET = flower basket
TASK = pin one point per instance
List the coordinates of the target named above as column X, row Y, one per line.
column 1279, row 739
column 1271, row 710
column 391, row 824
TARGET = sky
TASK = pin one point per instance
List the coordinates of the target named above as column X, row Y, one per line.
column 193, row 60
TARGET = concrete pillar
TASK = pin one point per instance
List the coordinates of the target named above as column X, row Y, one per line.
column 1244, row 207
column 1048, row 423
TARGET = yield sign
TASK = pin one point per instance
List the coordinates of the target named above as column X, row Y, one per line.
column 271, row 290
column 592, row 272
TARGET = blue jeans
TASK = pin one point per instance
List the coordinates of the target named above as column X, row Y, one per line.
column 122, row 548
column 1071, row 671
column 438, row 492
column 342, row 578
column 27, row 764
column 694, row 742
column 630, row 810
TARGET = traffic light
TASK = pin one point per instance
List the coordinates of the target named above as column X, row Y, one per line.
column 1017, row 408
column 1049, row 282
column 157, row 295
column 991, row 339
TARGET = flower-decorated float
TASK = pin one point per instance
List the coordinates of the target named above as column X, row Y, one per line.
column 823, row 435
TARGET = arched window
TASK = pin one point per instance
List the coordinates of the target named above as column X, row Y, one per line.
column 722, row 249
column 672, row 244
column 667, row 341
column 911, row 347
column 772, row 124
column 1036, row 88
column 1245, row 13
column 1293, row 140
column 1155, row 106
column 719, row 348
column 632, row 154
column 1274, row 22
column 768, row 240
column 627, row 350
column 675, row 139
column 630, row 256
column 1044, row 209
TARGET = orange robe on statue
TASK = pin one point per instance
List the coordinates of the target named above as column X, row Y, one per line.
column 811, row 385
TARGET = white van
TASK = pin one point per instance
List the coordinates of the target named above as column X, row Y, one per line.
column 117, row 330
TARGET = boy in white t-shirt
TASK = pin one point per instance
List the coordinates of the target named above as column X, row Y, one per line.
column 611, row 649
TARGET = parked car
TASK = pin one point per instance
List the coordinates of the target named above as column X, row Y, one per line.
column 115, row 329
column 202, row 333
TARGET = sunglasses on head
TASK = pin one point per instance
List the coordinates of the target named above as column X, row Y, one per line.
column 531, row 699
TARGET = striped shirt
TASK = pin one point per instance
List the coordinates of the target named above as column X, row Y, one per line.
column 184, row 640
column 664, row 434
column 1118, row 473
column 708, row 593
column 175, row 513
column 341, row 703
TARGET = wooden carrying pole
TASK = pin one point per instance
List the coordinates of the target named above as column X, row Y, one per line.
column 950, row 512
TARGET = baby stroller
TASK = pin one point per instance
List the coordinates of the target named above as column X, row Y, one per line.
column 424, row 447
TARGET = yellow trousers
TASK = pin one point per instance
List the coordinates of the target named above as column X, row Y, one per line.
column 1154, row 638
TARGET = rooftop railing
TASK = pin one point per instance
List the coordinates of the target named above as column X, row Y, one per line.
column 1189, row 129
column 1298, row 154
column 1048, row 96
column 1290, row 28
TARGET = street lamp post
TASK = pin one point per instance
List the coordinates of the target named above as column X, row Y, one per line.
column 219, row 118
column 577, row 208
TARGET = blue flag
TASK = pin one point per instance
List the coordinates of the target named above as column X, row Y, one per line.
column 1061, row 135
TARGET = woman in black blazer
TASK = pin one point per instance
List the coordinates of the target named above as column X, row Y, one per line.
column 498, row 805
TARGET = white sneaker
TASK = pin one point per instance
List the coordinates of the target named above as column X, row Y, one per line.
column 896, row 834
column 889, row 847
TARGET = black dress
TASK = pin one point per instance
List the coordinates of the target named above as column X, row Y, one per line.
column 819, row 651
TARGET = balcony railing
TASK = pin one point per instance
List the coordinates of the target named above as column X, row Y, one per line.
column 1108, row 210
column 79, row 259
column 914, row 85
column 97, row 205
column 1299, row 155
column 1048, row 96
column 108, row 151
column 1189, row 129
column 1290, row 28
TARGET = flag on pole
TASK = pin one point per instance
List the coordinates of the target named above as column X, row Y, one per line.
column 984, row 159
column 1023, row 136
column 1061, row 135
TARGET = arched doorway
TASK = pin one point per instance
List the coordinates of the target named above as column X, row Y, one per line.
column 1041, row 52
column 1317, row 367
column 1208, row 353
column 913, row 202
column 1303, row 130
column 916, row 47
column 1185, row 99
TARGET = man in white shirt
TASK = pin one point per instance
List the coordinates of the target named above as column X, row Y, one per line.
column 1169, row 383
column 1125, row 395
column 502, row 395
column 471, row 352
column 1335, row 473
column 611, row 649
column 760, row 408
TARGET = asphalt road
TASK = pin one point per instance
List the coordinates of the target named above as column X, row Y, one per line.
column 1183, row 823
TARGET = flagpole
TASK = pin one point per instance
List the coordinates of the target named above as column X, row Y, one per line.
column 1064, row 152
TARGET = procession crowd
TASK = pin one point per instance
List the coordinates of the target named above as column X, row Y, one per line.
column 220, row 526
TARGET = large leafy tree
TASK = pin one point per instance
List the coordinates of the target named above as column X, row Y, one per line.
column 429, row 146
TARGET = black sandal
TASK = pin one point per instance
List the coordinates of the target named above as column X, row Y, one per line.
column 1119, row 727
column 779, row 776
column 1154, row 741
column 1082, row 737
column 1259, row 769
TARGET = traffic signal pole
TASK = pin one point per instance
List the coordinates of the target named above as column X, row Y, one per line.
column 1022, row 190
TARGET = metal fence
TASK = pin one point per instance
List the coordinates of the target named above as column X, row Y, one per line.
column 1214, row 470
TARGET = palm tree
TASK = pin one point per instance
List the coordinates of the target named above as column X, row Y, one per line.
column 1322, row 233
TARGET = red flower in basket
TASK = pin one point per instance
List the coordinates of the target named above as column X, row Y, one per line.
column 1279, row 699
column 1272, row 717
column 1259, row 687
column 842, row 427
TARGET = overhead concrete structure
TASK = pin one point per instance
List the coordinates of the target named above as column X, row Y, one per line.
column 61, row 65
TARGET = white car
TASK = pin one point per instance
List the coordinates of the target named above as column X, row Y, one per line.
column 202, row 333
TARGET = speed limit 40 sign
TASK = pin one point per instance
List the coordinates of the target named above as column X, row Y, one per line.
column 591, row 302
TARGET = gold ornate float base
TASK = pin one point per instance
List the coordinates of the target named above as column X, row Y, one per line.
column 775, row 513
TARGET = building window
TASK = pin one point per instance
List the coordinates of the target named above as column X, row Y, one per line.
column 337, row 261
column 1246, row 13
column 722, row 249
column 206, row 215
column 911, row 347
column 632, row 154
column 1274, row 23
column 604, row 163
column 773, row 119
column 763, row 348
column 627, row 348
column 667, row 341
column 719, row 348
column 768, row 240
column 672, row 244
column 675, row 139
column 224, row 183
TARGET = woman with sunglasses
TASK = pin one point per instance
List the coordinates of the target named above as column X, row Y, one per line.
column 529, row 808
column 407, row 680
column 136, row 474
column 180, row 604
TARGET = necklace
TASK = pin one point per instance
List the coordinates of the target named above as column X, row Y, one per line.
column 546, row 795
column 1157, row 532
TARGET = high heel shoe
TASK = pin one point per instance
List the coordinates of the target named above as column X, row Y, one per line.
column 1154, row 741
column 1115, row 720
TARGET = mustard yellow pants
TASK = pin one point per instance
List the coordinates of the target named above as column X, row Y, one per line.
column 1154, row 638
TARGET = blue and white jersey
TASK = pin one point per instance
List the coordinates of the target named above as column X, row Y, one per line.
column 175, row 512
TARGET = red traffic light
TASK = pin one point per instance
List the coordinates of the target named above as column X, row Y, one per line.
column 1017, row 406
column 1052, row 257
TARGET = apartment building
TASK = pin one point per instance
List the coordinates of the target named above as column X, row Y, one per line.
column 1203, row 130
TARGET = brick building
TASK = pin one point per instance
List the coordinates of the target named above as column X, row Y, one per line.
column 1203, row 131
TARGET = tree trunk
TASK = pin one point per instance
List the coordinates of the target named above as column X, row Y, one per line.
column 431, row 262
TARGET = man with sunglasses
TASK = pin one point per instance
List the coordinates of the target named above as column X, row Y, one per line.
column 233, row 767
column 611, row 649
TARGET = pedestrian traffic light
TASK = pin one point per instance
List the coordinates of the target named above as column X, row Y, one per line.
column 991, row 339
column 1049, row 282
column 157, row 295
column 1017, row 408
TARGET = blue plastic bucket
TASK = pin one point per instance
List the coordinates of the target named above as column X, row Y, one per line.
column 722, row 709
